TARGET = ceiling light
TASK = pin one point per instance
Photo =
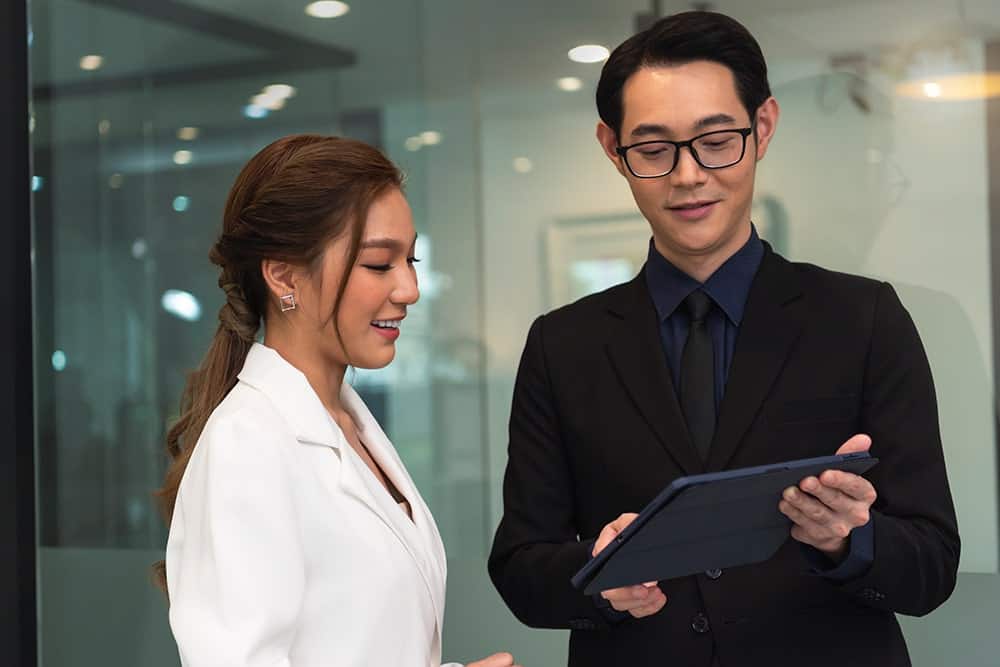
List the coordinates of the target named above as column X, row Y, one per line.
column 269, row 102
column 181, row 304
column 187, row 133
column 254, row 111
column 280, row 91
column 588, row 53
column 183, row 157
column 327, row 9
column 36, row 183
column 181, row 203
column 115, row 181
column 523, row 165
column 430, row 138
column 569, row 83
column 413, row 143
column 953, row 87
column 91, row 62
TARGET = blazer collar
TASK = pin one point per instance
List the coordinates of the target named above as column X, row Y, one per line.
column 287, row 388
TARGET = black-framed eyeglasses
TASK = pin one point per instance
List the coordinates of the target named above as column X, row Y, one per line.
column 713, row 150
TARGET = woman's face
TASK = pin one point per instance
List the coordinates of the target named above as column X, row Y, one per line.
column 380, row 286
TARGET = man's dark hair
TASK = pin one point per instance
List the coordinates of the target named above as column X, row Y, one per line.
column 679, row 39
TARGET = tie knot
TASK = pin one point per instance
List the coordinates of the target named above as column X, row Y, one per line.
column 698, row 304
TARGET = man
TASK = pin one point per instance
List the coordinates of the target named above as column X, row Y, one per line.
column 721, row 354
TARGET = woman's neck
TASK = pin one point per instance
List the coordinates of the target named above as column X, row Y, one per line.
column 324, row 375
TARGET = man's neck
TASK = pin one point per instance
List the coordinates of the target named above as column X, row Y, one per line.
column 701, row 266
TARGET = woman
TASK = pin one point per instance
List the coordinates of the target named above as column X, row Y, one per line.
column 297, row 538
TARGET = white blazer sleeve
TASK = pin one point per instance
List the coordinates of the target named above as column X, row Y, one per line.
column 235, row 562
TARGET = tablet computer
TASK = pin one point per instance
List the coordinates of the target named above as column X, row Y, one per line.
column 706, row 522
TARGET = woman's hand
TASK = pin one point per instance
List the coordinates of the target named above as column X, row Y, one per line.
column 495, row 660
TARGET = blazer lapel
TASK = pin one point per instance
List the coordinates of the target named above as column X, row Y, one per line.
column 419, row 536
column 774, row 316
column 636, row 352
column 294, row 399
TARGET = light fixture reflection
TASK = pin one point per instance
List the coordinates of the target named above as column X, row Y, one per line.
column 280, row 91
column 953, row 87
column 327, row 9
column 187, row 133
column 183, row 157
column 430, row 138
column 588, row 53
column 91, row 62
column 58, row 361
column 181, row 304
column 523, row 165
column 181, row 203
column 269, row 102
column 254, row 111
column 413, row 143
column 36, row 183
column 569, row 83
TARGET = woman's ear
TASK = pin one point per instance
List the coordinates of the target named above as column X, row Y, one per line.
column 281, row 279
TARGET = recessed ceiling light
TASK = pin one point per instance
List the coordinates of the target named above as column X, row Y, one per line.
column 327, row 9
column 280, row 91
column 569, row 83
column 139, row 248
column 430, row 137
column 588, row 53
column 187, row 133
column 254, row 111
column 523, row 165
column 183, row 157
column 181, row 203
column 269, row 102
column 91, row 62
column 413, row 143
column 932, row 89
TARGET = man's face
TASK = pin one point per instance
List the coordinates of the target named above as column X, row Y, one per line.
column 697, row 215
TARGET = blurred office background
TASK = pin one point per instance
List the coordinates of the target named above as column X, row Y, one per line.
column 144, row 110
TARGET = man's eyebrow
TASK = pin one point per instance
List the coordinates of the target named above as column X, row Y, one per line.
column 650, row 129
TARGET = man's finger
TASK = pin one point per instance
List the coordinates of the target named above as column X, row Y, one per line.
column 831, row 496
column 854, row 486
column 856, row 443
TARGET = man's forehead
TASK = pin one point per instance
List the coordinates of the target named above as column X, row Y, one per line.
column 680, row 98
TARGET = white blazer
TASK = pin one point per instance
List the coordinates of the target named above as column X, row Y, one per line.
column 286, row 551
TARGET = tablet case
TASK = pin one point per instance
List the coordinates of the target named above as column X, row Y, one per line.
column 705, row 522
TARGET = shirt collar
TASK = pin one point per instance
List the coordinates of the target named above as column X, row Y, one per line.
column 728, row 287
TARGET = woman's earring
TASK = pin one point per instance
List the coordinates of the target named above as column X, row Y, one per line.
column 288, row 302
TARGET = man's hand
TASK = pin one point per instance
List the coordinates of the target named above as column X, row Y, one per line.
column 826, row 509
column 643, row 600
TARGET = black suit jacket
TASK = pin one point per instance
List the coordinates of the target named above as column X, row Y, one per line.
column 596, row 430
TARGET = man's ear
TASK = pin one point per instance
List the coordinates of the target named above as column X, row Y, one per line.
column 766, row 124
column 609, row 142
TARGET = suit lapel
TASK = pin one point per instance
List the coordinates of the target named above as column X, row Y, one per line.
column 636, row 352
column 774, row 316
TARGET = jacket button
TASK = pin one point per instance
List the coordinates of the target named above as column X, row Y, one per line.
column 713, row 574
column 699, row 623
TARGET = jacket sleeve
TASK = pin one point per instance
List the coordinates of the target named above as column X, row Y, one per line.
column 536, row 549
column 235, row 562
column 916, row 534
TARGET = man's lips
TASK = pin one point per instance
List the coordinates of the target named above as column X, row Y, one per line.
column 693, row 210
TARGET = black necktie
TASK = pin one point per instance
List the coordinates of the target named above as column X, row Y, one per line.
column 698, row 374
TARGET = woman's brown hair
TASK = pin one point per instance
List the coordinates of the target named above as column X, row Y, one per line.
column 287, row 203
